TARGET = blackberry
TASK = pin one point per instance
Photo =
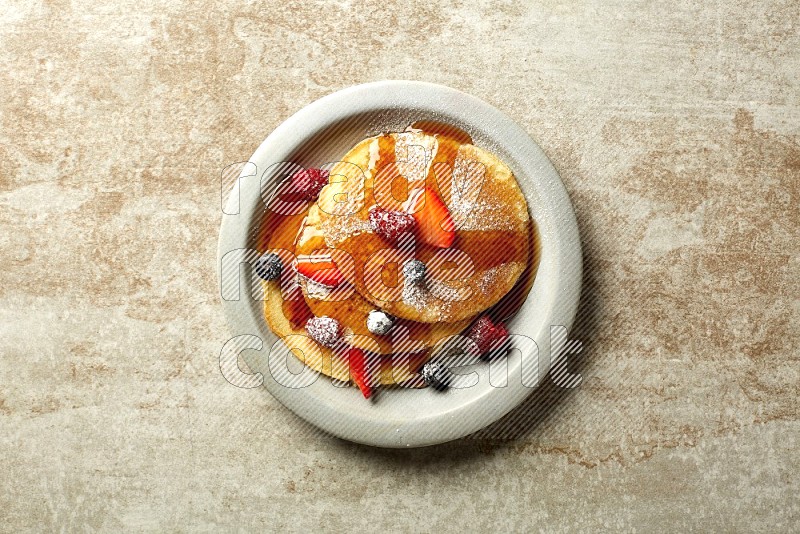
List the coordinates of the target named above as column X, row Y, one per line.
column 437, row 375
column 269, row 266
column 414, row 271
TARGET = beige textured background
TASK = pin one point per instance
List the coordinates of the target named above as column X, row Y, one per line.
column 676, row 128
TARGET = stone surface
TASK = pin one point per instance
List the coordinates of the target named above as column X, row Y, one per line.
column 676, row 128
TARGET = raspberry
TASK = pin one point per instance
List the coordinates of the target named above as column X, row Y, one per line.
column 487, row 335
column 309, row 182
column 481, row 333
column 324, row 330
column 500, row 332
column 390, row 224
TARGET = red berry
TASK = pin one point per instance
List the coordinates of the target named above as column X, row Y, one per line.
column 500, row 335
column 324, row 330
column 481, row 333
column 309, row 182
column 359, row 371
column 487, row 335
column 434, row 223
column 390, row 224
column 319, row 270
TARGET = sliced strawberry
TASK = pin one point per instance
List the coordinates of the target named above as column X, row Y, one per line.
column 320, row 270
column 434, row 224
column 297, row 311
column 359, row 372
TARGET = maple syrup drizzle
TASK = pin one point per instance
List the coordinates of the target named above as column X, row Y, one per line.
column 442, row 128
column 280, row 231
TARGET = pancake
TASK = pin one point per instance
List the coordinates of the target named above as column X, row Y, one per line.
column 396, row 369
column 489, row 212
column 280, row 234
column 351, row 309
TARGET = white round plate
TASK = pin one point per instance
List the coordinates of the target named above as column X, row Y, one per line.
column 322, row 132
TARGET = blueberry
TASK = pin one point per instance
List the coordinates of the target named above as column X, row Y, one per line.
column 269, row 266
column 414, row 271
column 436, row 375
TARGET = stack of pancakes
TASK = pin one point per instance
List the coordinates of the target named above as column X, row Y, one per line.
column 490, row 251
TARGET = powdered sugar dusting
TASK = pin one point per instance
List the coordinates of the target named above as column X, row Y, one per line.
column 436, row 298
column 314, row 289
column 471, row 207
column 447, row 293
column 480, row 215
column 488, row 280
column 379, row 322
column 339, row 229
column 416, row 296
column 414, row 153
column 495, row 275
